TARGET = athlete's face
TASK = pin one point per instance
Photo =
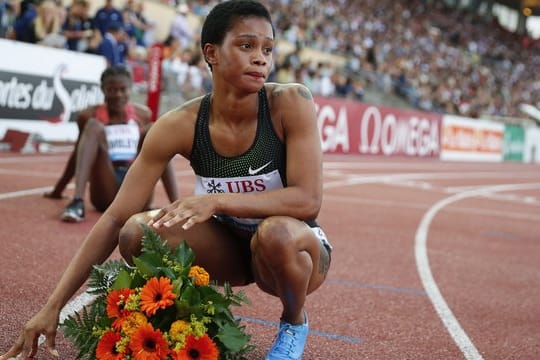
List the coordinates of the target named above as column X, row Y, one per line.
column 245, row 57
column 116, row 91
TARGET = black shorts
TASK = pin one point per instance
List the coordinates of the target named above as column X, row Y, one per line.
column 245, row 238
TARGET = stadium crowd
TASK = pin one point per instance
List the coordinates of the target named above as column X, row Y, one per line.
column 438, row 57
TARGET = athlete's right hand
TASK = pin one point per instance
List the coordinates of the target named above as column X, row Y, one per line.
column 44, row 322
column 190, row 210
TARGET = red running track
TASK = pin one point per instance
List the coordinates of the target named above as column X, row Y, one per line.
column 431, row 260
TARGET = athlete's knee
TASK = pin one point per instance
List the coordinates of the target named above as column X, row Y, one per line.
column 129, row 238
column 93, row 124
column 274, row 239
column 93, row 128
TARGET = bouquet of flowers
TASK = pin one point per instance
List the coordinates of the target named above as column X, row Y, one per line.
column 162, row 308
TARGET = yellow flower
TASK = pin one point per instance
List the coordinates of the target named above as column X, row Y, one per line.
column 132, row 322
column 122, row 345
column 197, row 326
column 199, row 276
column 132, row 302
column 179, row 328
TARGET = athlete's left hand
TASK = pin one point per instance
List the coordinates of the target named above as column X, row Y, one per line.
column 190, row 210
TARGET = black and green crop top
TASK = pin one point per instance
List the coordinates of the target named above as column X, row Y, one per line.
column 261, row 168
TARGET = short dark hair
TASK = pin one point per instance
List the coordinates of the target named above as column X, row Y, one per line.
column 222, row 17
column 115, row 70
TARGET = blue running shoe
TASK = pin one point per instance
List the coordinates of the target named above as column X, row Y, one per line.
column 290, row 342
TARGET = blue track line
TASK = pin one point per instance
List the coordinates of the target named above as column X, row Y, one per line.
column 311, row 331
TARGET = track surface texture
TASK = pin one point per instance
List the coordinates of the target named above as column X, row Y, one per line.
column 431, row 260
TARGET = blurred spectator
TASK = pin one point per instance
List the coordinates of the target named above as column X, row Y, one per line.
column 201, row 7
column 326, row 76
column 437, row 56
column 134, row 14
column 171, row 50
column 8, row 13
column 413, row 48
column 179, row 66
column 358, row 91
column 343, row 86
column 45, row 28
column 25, row 11
column 106, row 15
column 112, row 47
column 285, row 73
column 4, row 18
column 180, row 28
column 61, row 10
column 171, row 45
column 191, row 84
column 78, row 28
column 129, row 27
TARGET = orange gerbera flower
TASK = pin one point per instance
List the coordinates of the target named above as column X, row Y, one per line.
column 106, row 347
column 148, row 344
column 199, row 276
column 202, row 348
column 156, row 294
column 116, row 300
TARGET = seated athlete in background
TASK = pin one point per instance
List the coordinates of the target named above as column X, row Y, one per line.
column 110, row 136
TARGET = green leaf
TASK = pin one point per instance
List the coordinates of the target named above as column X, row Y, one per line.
column 102, row 276
column 239, row 298
column 184, row 255
column 177, row 285
column 164, row 318
column 233, row 338
column 168, row 272
column 191, row 295
column 152, row 242
column 123, row 280
column 138, row 281
column 183, row 310
column 147, row 264
column 79, row 327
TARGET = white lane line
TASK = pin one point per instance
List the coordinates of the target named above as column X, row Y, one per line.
column 422, row 264
column 75, row 305
column 32, row 159
column 28, row 173
column 522, row 215
column 355, row 179
column 15, row 194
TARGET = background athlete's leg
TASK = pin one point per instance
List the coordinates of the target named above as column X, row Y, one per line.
column 94, row 166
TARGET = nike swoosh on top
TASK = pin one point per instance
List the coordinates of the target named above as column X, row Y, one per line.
column 255, row 171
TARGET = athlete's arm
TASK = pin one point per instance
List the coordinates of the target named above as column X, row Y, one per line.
column 144, row 114
column 304, row 153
